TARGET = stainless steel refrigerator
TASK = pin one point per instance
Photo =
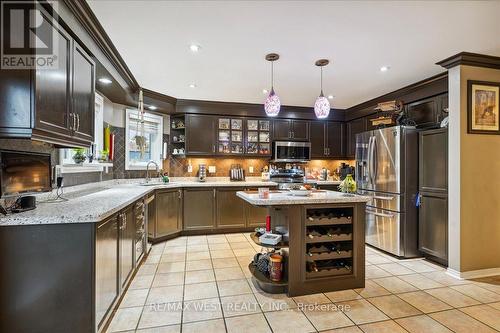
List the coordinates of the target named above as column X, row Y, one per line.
column 387, row 171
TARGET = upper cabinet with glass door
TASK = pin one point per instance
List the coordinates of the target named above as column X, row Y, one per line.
column 258, row 137
column 230, row 136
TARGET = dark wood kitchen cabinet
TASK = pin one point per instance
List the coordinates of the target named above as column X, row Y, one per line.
column 318, row 139
column 423, row 112
column 433, row 194
column 106, row 270
column 168, row 212
column 127, row 237
column 255, row 216
column 335, row 139
column 230, row 208
column 327, row 139
column 288, row 129
column 199, row 208
column 354, row 127
column 433, row 226
column 83, row 94
column 56, row 104
column 200, row 134
column 53, row 96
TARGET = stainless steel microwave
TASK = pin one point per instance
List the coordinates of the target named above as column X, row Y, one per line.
column 290, row 151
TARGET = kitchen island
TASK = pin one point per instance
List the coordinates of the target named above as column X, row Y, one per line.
column 323, row 241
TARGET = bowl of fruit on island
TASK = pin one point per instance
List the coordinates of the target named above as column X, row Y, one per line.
column 301, row 190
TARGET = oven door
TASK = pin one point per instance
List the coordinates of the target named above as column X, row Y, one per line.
column 285, row 151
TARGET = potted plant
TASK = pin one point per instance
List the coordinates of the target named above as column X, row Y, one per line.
column 103, row 156
column 79, row 155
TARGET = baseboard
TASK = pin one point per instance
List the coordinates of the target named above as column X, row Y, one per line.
column 480, row 273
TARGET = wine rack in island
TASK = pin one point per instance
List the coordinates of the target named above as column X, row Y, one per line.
column 326, row 247
column 328, row 243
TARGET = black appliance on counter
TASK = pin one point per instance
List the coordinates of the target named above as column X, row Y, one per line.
column 344, row 170
column 24, row 173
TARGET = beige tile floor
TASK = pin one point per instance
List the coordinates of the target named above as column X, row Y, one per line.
column 202, row 284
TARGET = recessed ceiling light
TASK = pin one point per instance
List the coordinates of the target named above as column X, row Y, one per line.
column 265, row 91
column 194, row 48
column 330, row 96
column 152, row 107
column 192, row 85
column 384, row 68
column 105, row 80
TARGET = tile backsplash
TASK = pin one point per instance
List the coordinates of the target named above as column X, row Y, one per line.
column 178, row 167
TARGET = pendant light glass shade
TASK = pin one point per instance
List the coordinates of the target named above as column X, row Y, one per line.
column 272, row 104
column 322, row 107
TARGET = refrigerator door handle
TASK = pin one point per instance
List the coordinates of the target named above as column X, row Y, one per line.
column 379, row 214
column 383, row 198
column 375, row 160
column 370, row 160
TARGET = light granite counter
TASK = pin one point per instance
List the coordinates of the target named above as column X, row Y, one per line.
column 91, row 203
column 285, row 198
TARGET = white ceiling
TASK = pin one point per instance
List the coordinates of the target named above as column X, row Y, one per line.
column 358, row 37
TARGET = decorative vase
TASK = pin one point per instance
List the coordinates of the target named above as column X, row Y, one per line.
column 348, row 185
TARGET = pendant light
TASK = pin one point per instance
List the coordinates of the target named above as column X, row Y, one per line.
column 272, row 104
column 322, row 105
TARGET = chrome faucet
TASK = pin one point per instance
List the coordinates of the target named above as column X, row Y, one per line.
column 148, row 178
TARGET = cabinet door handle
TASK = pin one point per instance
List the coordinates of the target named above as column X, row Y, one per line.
column 74, row 121
column 77, row 122
column 214, row 193
column 70, row 121
column 180, row 194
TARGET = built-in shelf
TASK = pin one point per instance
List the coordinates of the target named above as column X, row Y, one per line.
column 328, row 272
column 266, row 284
column 328, row 221
column 280, row 245
column 330, row 255
column 326, row 238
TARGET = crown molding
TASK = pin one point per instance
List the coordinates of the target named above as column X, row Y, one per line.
column 83, row 13
column 471, row 59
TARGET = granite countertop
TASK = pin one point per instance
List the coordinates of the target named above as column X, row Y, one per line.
column 91, row 203
column 284, row 198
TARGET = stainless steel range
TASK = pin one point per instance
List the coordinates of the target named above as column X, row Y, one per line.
column 288, row 178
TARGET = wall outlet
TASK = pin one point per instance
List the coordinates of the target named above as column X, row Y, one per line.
column 190, row 168
column 250, row 169
column 211, row 169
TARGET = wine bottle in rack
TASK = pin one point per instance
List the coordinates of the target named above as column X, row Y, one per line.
column 333, row 232
column 317, row 249
column 313, row 233
column 342, row 264
column 312, row 267
column 336, row 247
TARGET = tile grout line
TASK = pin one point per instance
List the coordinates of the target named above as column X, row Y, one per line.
column 479, row 320
column 149, row 290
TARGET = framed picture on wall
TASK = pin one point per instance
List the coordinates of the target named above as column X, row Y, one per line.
column 483, row 116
